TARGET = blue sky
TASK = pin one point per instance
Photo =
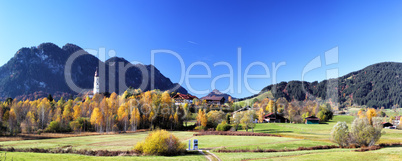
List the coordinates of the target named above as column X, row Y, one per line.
column 295, row 32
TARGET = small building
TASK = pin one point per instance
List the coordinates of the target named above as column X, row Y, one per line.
column 386, row 125
column 183, row 98
column 312, row 120
column 214, row 100
column 272, row 117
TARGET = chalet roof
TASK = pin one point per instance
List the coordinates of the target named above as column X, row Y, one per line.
column 184, row 96
column 213, row 98
column 272, row 115
column 387, row 123
column 312, row 118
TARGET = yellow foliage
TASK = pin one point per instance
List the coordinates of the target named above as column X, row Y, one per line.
column 261, row 114
column 160, row 142
column 202, row 118
column 96, row 117
column 370, row 114
column 77, row 111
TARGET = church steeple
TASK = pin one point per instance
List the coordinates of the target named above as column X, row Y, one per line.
column 96, row 72
column 96, row 81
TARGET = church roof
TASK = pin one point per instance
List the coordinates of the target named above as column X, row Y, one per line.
column 96, row 72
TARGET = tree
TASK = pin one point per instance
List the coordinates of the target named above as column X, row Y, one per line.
column 12, row 122
column 340, row 134
column 370, row 114
column 325, row 113
column 202, row 119
column 215, row 117
column 67, row 115
column 270, row 106
column 123, row 113
column 228, row 118
column 77, row 111
column 304, row 116
column 360, row 113
column 260, row 115
column 29, row 121
column 247, row 120
column 97, row 119
column 135, row 118
column 187, row 112
column 237, row 119
column 50, row 98
column 176, row 120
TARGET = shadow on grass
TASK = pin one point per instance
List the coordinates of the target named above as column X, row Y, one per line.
column 193, row 152
column 273, row 131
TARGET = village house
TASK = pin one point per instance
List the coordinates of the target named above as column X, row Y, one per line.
column 181, row 99
column 214, row 100
column 312, row 120
column 387, row 125
column 272, row 117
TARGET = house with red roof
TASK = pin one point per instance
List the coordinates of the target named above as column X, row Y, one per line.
column 183, row 98
column 214, row 100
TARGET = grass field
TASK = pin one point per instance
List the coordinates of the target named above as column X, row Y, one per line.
column 391, row 153
column 319, row 132
column 18, row 156
column 295, row 135
column 127, row 141
column 99, row 142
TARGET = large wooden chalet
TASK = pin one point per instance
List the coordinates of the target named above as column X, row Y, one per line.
column 214, row 100
column 183, row 98
column 272, row 117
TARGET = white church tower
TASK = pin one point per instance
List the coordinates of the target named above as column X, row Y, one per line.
column 96, row 82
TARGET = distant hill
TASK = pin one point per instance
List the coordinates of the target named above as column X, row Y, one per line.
column 378, row 85
column 38, row 71
column 217, row 93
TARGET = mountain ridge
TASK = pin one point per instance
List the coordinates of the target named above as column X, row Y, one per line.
column 41, row 69
column 377, row 85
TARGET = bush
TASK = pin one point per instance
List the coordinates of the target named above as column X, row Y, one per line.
column 340, row 134
column 365, row 134
column 223, row 126
column 56, row 126
column 160, row 142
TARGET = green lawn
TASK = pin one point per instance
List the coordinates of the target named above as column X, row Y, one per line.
column 392, row 153
column 295, row 135
column 254, row 142
column 127, row 141
column 98, row 142
column 18, row 156
column 319, row 132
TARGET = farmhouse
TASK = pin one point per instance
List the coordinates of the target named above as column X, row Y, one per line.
column 272, row 117
column 214, row 100
column 183, row 98
column 312, row 120
column 386, row 125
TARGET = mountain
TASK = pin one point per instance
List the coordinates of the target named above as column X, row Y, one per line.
column 378, row 85
column 217, row 93
column 38, row 71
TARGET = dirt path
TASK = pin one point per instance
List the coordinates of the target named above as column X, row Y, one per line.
column 210, row 156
